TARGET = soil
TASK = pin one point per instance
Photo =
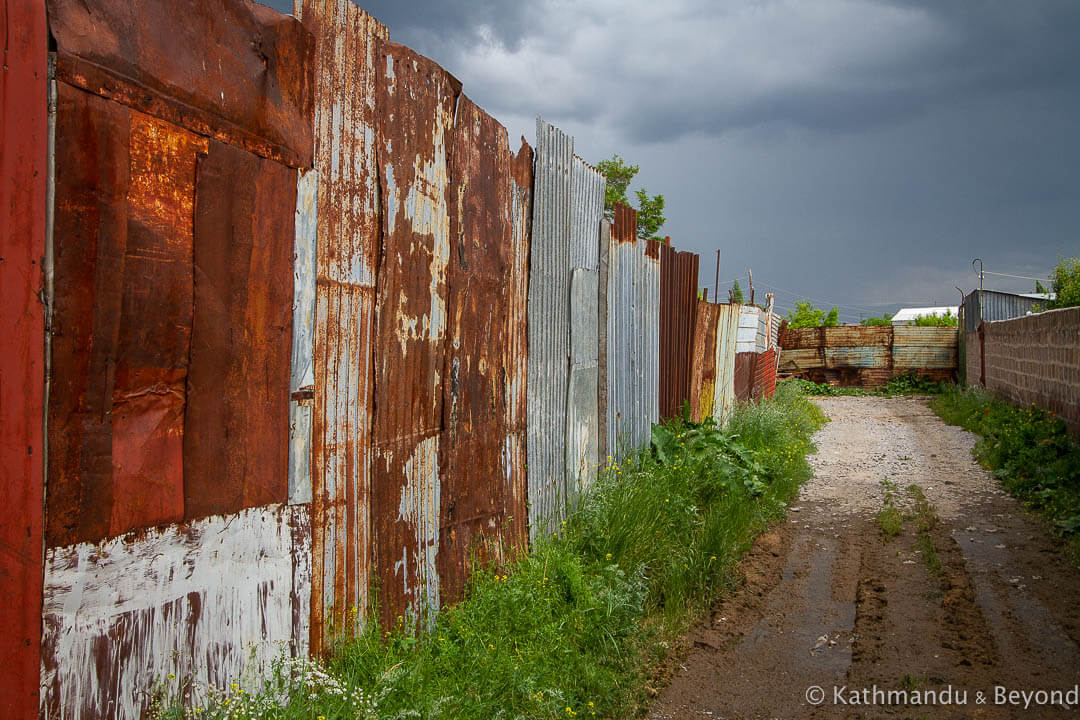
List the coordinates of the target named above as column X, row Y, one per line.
column 827, row 601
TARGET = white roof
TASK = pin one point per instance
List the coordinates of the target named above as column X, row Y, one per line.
column 909, row 314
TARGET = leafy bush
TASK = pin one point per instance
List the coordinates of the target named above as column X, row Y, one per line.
column 883, row 321
column 806, row 315
column 935, row 320
column 1065, row 281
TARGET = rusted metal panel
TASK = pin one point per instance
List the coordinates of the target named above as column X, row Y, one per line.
column 302, row 366
column 764, row 384
column 727, row 330
column 801, row 338
column 624, row 340
column 925, row 348
column 744, row 374
column 122, row 323
column 582, row 420
column 794, row 361
column 482, row 509
column 678, row 306
column 703, row 368
column 346, row 258
column 857, row 336
column 230, row 69
column 24, row 142
column 209, row 600
column 549, row 327
column 415, row 102
column 235, row 437
column 870, row 357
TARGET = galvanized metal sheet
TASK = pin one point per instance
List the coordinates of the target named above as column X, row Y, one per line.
column 870, row 357
column 749, row 320
column 587, row 188
column 727, row 328
column 582, row 419
column 415, row 101
column 233, row 70
column 703, row 368
column 602, row 318
column 346, row 258
column 209, row 601
column 678, row 307
column 23, row 193
column 235, row 438
column 482, row 513
column 122, row 321
column 549, row 327
column 990, row 306
column 302, row 366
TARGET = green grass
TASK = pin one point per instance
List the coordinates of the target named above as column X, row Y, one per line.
column 576, row 626
column 909, row 383
column 1027, row 449
column 890, row 520
column 925, row 522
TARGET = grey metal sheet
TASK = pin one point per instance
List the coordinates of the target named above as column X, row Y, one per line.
column 582, row 422
column 302, row 373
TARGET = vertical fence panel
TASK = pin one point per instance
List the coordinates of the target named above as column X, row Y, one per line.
column 23, row 160
column 678, row 306
column 549, row 326
column 478, row 509
column 727, row 330
column 415, row 102
column 703, row 366
column 302, row 365
column 346, row 260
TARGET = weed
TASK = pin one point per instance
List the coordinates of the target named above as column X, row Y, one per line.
column 890, row 522
column 925, row 522
column 1027, row 449
column 909, row 383
column 572, row 627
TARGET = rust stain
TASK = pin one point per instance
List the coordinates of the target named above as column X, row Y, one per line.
column 678, row 308
column 481, row 508
column 415, row 101
column 624, row 228
column 229, row 69
column 238, row 379
column 346, row 263
column 23, row 193
column 703, row 363
column 122, row 323
column 744, row 374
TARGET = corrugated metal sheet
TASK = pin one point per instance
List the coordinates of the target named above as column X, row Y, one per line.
column 869, row 357
column 415, row 103
column 582, row 419
column 727, row 331
column 482, row 497
column 235, row 441
column 744, row 373
column 549, row 326
column 703, row 368
column 633, row 335
column 209, row 600
column 764, row 384
column 749, row 319
column 678, row 307
column 515, row 456
column 586, row 210
column 24, row 142
column 602, row 318
column 925, row 348
column 228, row 69
column 302, row 366
column 990, row 305
column 346, row 259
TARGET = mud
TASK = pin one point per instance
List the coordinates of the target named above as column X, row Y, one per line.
column 827, row 601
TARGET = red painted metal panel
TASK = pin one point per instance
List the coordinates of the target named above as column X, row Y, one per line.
column 482, row 513
column 764, row 375
column 346, row 260
column 230, row 69
column 415, row 101
column 23, row 146
column 236, row 435
column 122, row 319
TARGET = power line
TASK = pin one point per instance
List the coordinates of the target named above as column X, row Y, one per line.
column 1022, row 277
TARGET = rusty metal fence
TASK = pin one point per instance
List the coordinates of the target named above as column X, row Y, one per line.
column 316, row 341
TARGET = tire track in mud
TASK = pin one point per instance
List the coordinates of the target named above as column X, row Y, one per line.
column 826, row 600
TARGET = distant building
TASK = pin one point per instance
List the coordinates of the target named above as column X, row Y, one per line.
column 906, row 316
column 990, row 305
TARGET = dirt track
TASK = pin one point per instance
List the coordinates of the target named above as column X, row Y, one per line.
column 827, row 601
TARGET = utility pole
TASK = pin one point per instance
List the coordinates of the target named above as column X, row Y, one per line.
column 716, row 287
column 750, row 275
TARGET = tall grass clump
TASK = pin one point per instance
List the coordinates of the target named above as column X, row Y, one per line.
column 1027, row 449
column 576, row 625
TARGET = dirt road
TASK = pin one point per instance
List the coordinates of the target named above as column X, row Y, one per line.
column 969, row 597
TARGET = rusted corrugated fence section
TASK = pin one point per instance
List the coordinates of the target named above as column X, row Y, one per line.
column 678, row 309
column 868, row 356
column 315, row 331
column 758, row 334
column 24, row 157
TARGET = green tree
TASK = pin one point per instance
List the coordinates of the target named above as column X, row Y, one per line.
column 806, row 315
column 884, row 321
column 1040, row 288
column 736, row 293
column 650, row 208
column 935, row 320
column 1065, row 281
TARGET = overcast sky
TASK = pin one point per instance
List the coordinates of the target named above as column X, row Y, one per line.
column 856, row 152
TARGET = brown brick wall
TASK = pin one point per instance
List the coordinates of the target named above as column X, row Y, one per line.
column 1033, row 359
